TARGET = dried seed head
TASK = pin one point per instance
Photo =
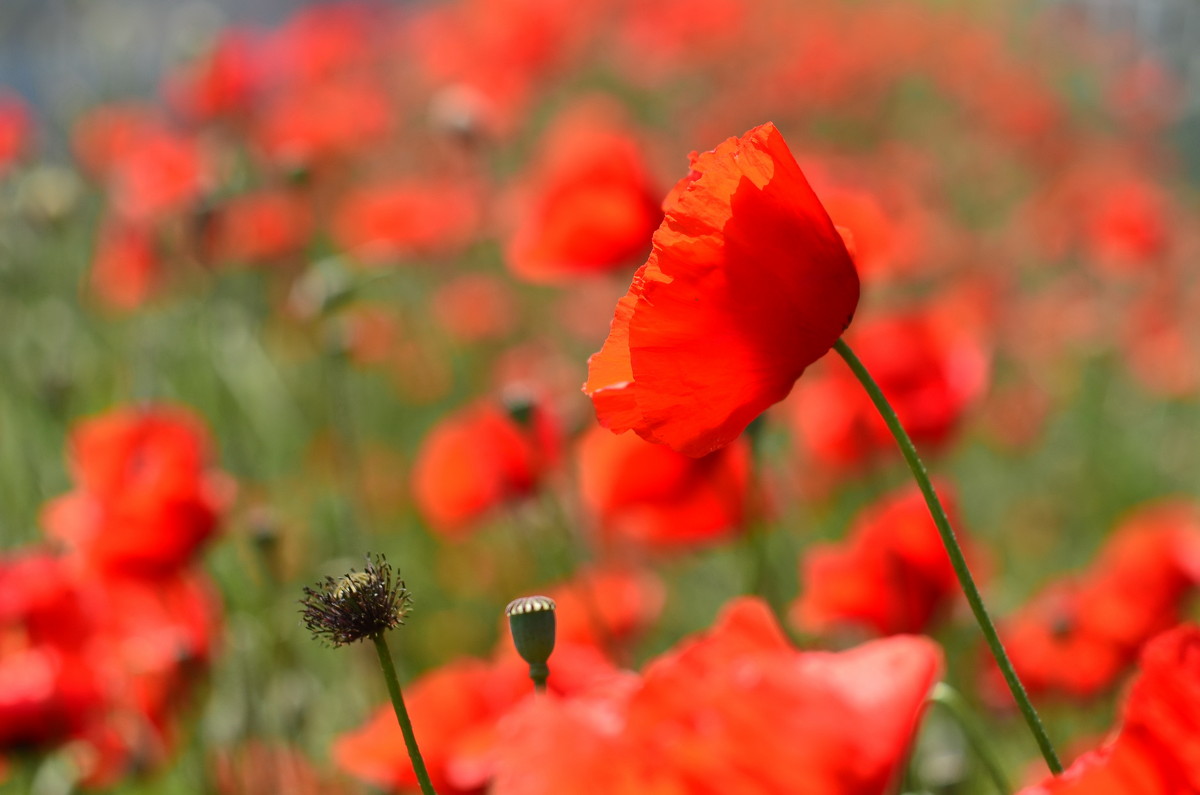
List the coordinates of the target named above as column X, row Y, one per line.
column 356, row 606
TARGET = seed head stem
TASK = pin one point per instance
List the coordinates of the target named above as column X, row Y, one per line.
column 410, row 739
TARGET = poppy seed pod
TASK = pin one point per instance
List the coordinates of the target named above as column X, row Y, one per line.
column 532, row 623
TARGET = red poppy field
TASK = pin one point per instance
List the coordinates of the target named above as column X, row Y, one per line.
column 830, row 370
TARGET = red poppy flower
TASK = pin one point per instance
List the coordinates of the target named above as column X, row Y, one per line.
column 591, row 206
column 719, row 712
column 1052, row 652
column 104, row 136
column 747, row 284
column 650, row 495
column 224, row 83
column 928, row 371
column 1147, row 569
column 96, row 662
column 890, row 575
column 15, row 128
column 1128, row 224
column 321, row 42
column 308, row 125
column 478, row 458
column 151, row 641
column 455, row 711
column 889, row 231
column 1161, row 341
column 1156, row 750
column 125, row 264
column 259, row 227
column 666, row 36
column 48, row 689
column 601, row 605
column 145, row 499
column 1108, row 210
column 382, row 222
column 1078, row 636
column 476, row 307
column 496, row 51
column 162, row 173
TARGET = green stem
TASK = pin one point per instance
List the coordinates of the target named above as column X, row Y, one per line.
column 410, row 739
column 957, row 560
column 949, row 698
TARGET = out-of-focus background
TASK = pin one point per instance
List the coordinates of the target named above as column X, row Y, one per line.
column 284, row 283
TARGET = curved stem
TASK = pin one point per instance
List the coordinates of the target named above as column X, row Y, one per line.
column 410, row 739
column 957, row 560
column 949, row 698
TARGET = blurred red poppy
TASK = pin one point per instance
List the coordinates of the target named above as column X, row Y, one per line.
column 15, row 130
column 929, row 371
column 665, row 36
column 259, row 227
column 102, row 663
column 1128, row 225
column 477, row 458
column 126, row 265
column 405, row 218
column 597, row 606
column 651, row 496
column 590, row 206
column 890, row 575
column 747, row 284
column 495, row 51
column 48, row 690
column 104, row 136
column 1079, row 635
column 1156, row 749
column 1051, row 650
column 145, row 499
column 1161, row 340
column 320, row 43
column 306, row 126
column 162, row 173
column 455, row 711
column 718, row 713
column 223, row 84
column 476, row 307
column 1107, row 209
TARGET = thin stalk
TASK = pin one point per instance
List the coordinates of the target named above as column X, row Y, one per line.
column 410, row 739
column 949, row 698
column 957, row 560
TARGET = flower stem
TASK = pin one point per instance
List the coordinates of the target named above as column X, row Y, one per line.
column 410, row 739
column 949, row 698
column 957, row 560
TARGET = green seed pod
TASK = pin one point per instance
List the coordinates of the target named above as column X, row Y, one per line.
column 532, row 623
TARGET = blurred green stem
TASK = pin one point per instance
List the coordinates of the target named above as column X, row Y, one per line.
column 957, row 560
column 336, row 372
column 761, row 579
column 953, row 702
column 410, row 739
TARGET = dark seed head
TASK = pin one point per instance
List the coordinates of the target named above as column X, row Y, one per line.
column 356, row 606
